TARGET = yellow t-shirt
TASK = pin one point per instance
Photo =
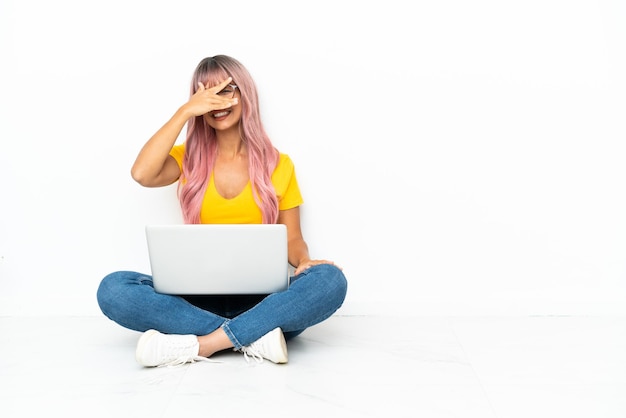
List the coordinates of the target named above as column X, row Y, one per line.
column 242, row 209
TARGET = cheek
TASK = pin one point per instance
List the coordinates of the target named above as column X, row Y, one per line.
column 207, row 119
column 236, row 113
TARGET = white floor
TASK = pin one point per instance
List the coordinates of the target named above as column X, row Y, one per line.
column 345, row 367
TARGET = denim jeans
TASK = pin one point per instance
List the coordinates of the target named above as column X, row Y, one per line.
column 129, row 299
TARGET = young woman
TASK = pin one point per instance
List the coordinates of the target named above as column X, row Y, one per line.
column 228, row 171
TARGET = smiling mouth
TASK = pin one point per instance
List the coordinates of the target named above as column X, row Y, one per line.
column 221, row 113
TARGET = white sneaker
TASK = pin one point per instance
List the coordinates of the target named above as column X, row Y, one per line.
column 271, row 346
column 155, row 349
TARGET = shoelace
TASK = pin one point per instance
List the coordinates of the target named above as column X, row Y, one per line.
column 179, row 361
column 249, row 351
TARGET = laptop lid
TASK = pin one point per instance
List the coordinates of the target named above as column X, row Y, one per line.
column 217, row 259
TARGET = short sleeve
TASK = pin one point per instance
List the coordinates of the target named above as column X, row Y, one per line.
column 178, row 152
column 286, row 184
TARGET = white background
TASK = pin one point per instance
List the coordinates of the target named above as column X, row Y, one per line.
column 456, row 157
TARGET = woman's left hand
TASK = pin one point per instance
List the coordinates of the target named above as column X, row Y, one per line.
column 310, row 263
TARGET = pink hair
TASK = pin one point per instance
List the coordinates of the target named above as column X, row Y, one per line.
column 201, row 143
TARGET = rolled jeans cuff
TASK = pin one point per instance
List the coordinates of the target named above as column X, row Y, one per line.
column 236, row 344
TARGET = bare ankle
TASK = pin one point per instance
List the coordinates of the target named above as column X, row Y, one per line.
column 213, row 342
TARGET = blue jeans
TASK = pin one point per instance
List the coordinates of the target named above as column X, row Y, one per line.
column 129, row 299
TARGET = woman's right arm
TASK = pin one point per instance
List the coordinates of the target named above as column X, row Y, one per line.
column 154, row 166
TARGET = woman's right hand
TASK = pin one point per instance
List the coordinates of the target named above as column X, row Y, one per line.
column 154, row 166
column 206, row 99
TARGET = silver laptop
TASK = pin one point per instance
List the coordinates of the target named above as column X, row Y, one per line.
column 218, row 259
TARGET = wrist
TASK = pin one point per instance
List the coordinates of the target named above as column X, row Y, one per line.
column 303, row 261
column 184, row 112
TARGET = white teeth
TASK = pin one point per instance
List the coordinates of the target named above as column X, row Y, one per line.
column 220, row 114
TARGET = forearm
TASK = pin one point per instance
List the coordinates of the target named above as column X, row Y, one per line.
column 153, row 154
column 298, row 252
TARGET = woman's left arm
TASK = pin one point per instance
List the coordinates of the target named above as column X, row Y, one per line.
column 298, row 250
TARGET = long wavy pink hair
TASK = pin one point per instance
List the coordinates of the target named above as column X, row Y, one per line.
column 201, row 143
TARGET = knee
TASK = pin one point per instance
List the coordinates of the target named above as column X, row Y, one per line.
column 334, row 280
column 111, row 288
column 106, row 290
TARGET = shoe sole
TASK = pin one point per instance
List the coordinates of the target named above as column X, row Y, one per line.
column 142, row 343
column 283, row 345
